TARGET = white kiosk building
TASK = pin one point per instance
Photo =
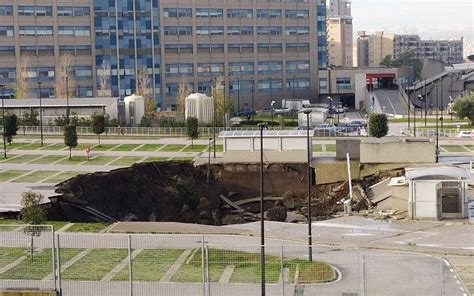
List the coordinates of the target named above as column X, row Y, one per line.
column 199, row 106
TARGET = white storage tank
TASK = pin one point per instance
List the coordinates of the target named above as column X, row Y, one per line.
column 199, row 106
column 134, row 109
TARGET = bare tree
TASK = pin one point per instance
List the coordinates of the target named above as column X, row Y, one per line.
column 21, row 84
column 104, row 76
column 143, row 88
column 223, row 105
column 183, row 92
column 65, row 70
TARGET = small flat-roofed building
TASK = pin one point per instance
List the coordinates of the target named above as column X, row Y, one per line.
column 436, row 192
column 279, row 146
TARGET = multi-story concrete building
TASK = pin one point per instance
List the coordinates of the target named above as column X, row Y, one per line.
column 265, row 49
column 340, row 39
column 372, row 49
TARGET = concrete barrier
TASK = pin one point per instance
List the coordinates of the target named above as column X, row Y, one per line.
column 393, row 150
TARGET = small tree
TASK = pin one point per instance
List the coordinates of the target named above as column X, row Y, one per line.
column 11, row 126
column 378, row 125
column 21, row 79
column 70, row 137
column 103, row 75
column 64, row 90
column 183, row 92
column 32, row 214
column 464, row 108
column 98, row 124
column 192, row 129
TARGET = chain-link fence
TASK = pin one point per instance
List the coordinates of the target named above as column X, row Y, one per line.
column 148, row 264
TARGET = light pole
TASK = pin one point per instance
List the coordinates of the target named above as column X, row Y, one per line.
column 271, row 111
column 238, row 95
column 78, row 91
column 308, row 165
column 209, row 168
column 409, row 107
column 426, row 100
column 293, row 85
column 3, row 121
column 414, row 121
column 67, row 100
column 437, row 129
column 451, row 107
column 41, row 111
column 253, row 95
column 262, row 126
column 224, row 107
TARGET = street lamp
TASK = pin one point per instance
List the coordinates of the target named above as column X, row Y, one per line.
column 271, row 111
column 41, row 112
column 437, row 129
column 209, row 168
column 262, row 126
column 3, row 121
column 409, row 107
column 253, row 95
column 451, row 107
column 293, row 84
column 214, row 118
column 308, row 165
column 224, row 107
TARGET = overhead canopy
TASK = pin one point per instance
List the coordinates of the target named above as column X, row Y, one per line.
column 437, row 173
column 266, row 134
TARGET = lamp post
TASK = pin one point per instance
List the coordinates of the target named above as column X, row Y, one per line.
column 308, row 166
column 293, row 85
column 67, row 100
column 41, row 112
column 271, row 111
column 437, row 129
column 409, row 107
column 414, row 121
column 3, row 121
column 253, row 95
column 262, row 126
column 238, row 95
column 224, row 107
column 330, row 108
column 451, row 107
column 426, row 111
column 209, row 168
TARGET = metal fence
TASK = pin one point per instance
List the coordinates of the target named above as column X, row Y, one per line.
column 147, row 264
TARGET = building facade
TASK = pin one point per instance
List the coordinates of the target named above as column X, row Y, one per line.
column 265, row 49
column 372, row 49
column 339, row 7
column 340, row 41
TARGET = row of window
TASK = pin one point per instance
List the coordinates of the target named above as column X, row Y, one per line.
column 7, row 10
column 45, row 73
column 237, row 48
column 40, row 50
column 235, row 30
column 244, row 86
column 77, row 31
column 237, row 68
column 236, row 13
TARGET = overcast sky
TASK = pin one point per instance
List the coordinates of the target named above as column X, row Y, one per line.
column 427, row 18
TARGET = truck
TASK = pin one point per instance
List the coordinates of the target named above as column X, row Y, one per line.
column 294, row 104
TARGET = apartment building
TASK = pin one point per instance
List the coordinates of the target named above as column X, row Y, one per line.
column 340, row 39
column 339, row 7
column 372, row 49
column 265, row 49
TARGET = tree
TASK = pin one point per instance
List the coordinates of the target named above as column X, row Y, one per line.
column 70, row 137
column 143, row 88
column 11, row 127
column 32, row 214
column 29, row 119
column 223, row 105
column 98, row 124
column 183, row 92
column 103, row 74
column 406, row 59
column 378, row 125
column 21, row 79
column 64, row 70
column 145, row 122
column 464, row 108
column 192, row 129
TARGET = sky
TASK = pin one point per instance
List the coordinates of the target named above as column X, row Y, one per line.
column 430, row 19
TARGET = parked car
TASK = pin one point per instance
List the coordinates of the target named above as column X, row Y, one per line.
column 465, row 134
column 282, row 111
column 358, row 123
column 245, row 112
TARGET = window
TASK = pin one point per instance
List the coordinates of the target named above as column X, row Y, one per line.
column 297, row 83
column 297, row 14
column 204, row 87
column 268, row 13
column 83, row 72
column 179, row 69
column 81, row 11
column 239, row 13
column 35, row 11
column 297, row 47
column 343, row 82
column 178, row 48
column 177, row 12
column 7, row 51
column 178, row 30
column 239, row 30
column 270, row 47
column 210, row 48
column 40, row 73
column 6, row 31
column 209, row 12
column 66, row 31
column 82, row 31
column 44, row 31
column 269, row 67
column 44, row 11
column 297, row 67
column 240, row 48
column 7, row 74
column 6, row 10
column 26, row 10
column 209, row 30
column 269, row 30
column 205, row 69
column 323, row 84
column 269, row 85
column 242, row 86
column 65, row 11
column 27, row 31
column 241, row 68
column 292, row 30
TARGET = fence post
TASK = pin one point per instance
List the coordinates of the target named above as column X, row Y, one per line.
column 53, row 257
column 130, row 275
column 58, row 254
column 207, row 273
column 282, row 272
column 441, row 280
column 202, row 267
column 361, row 275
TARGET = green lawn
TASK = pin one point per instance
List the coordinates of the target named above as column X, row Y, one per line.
column 74, row 160
column 470, row 147
column 195, row 148
column 32, row 146
column 454, row 148
column 87, row 227
column 172, row 148
column 317, row 148
column 155, row 159
column 330, row 147
column 39, row 267
column 100, row 160
column 8, row 175
column 35, row 177
column 16, row 145
column 21, row 158
column 125, row 147
column 8, row 255
column 103, row 147
column 219, row 148
column 150, row 265
column 149, row 147
column 57, row 146
column 95, row 265
column 48, row 159
column 82, row 146
column 126, row 160
column 62, row 177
